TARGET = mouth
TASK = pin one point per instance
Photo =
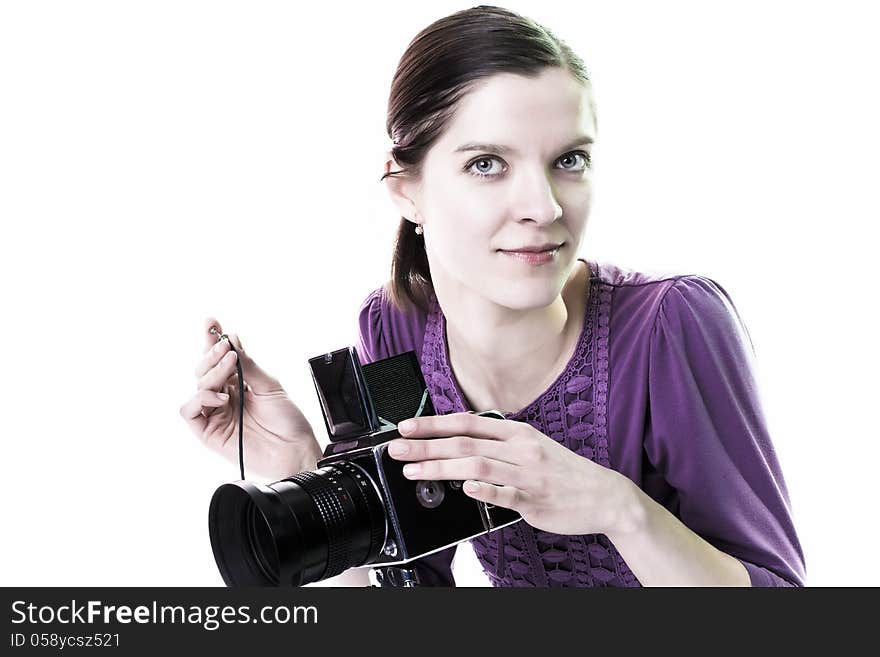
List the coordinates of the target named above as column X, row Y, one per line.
column 543, row 248
column 541, row 255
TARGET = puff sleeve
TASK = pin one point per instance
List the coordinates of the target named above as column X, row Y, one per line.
column 707, row 435
column 375, row 342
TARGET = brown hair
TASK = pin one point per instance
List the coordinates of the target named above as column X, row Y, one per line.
column 440, row 65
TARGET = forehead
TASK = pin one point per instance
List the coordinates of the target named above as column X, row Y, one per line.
column 553, row 106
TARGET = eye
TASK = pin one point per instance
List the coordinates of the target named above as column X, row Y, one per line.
column 571, row 157
column 481, row 171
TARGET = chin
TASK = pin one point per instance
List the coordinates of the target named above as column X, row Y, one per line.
column 522, row 295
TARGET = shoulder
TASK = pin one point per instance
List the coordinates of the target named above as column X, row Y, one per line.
column 621, row 276
column 698, row 296
column 676, row 303
column 695, row 313
column 385, row 330
column 371, row 310
column 658, row 289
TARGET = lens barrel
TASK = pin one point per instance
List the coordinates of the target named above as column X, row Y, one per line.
column 308, row 527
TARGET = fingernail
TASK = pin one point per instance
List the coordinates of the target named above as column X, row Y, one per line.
column 223, row 396
column 396, row 448
column 406, row 426
column 230, row 356
column 411, row 469
column 471, row 486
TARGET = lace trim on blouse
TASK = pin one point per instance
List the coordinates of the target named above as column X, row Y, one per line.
column 572, row 411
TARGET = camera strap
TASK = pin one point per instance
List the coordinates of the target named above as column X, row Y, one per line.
column 390, row 425
column 214, row 331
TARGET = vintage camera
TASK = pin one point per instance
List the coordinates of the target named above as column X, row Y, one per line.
column 356, row 508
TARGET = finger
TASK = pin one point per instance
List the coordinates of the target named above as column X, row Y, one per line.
column 212, row 358
column 451, row 448
column 191, row 411
column 211, row 339
column 219, row 375
column 467, row 424
column 256, row 377
column 472, row 467
column 506, row 496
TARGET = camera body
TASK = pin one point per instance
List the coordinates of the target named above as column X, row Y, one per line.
column 356, row 508
column 362, row 405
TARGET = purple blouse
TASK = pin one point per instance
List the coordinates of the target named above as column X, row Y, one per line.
column 661, row 389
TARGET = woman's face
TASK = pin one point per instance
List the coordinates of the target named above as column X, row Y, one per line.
column 511, row 170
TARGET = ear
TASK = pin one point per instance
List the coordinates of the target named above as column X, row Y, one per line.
column 402, row 190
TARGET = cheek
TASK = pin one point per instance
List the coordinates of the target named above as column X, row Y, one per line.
column 461, row 243
column 460, row 238
column 463, row 218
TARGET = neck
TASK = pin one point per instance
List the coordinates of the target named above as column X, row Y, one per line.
column 503, row 358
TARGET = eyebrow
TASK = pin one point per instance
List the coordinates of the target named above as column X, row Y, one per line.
column 502, row 149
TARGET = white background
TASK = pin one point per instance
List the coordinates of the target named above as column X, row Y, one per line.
column 165, row 161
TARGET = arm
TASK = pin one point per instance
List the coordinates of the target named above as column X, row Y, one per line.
column 707, row 435
column 662, row 551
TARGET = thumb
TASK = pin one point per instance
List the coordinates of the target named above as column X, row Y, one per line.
column 257, row 378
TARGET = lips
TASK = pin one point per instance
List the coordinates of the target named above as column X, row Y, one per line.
column 549, row 246
column 534, row 258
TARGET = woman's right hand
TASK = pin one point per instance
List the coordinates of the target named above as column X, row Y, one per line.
column 278, row 440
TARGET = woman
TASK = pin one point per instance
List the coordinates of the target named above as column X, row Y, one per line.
column 634, row 445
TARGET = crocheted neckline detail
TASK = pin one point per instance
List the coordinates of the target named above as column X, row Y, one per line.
column 438, row 320
column 572, row 411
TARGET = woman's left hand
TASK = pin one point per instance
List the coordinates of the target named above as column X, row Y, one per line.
column 516, row 466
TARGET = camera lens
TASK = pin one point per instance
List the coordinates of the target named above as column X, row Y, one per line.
column 299, row 530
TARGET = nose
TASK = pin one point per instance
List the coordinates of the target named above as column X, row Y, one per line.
column 536, row 199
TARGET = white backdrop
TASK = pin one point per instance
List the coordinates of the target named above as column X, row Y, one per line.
column 164, row 161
